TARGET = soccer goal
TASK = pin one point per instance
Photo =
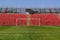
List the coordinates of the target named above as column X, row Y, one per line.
column 27, row 22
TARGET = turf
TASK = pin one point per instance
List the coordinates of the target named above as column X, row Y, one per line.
column 29, row 33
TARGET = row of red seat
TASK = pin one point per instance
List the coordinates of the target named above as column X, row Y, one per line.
column 10, row 19
column 45, row 19
column 50, row 19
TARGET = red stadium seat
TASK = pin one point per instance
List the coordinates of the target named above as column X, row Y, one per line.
column 45, row 19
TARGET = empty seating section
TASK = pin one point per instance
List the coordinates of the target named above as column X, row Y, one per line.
column 45, row 19
column 10, row 19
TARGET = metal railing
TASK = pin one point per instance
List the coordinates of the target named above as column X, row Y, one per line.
column 30, row 10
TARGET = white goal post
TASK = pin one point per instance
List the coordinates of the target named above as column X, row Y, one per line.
column 27, row 21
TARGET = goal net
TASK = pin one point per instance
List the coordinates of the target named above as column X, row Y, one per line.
column 27, row 22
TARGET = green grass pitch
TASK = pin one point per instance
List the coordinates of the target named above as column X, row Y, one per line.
column 29, row 33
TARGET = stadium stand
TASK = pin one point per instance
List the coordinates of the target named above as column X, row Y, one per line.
column 45, row 19
column 47, row 16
